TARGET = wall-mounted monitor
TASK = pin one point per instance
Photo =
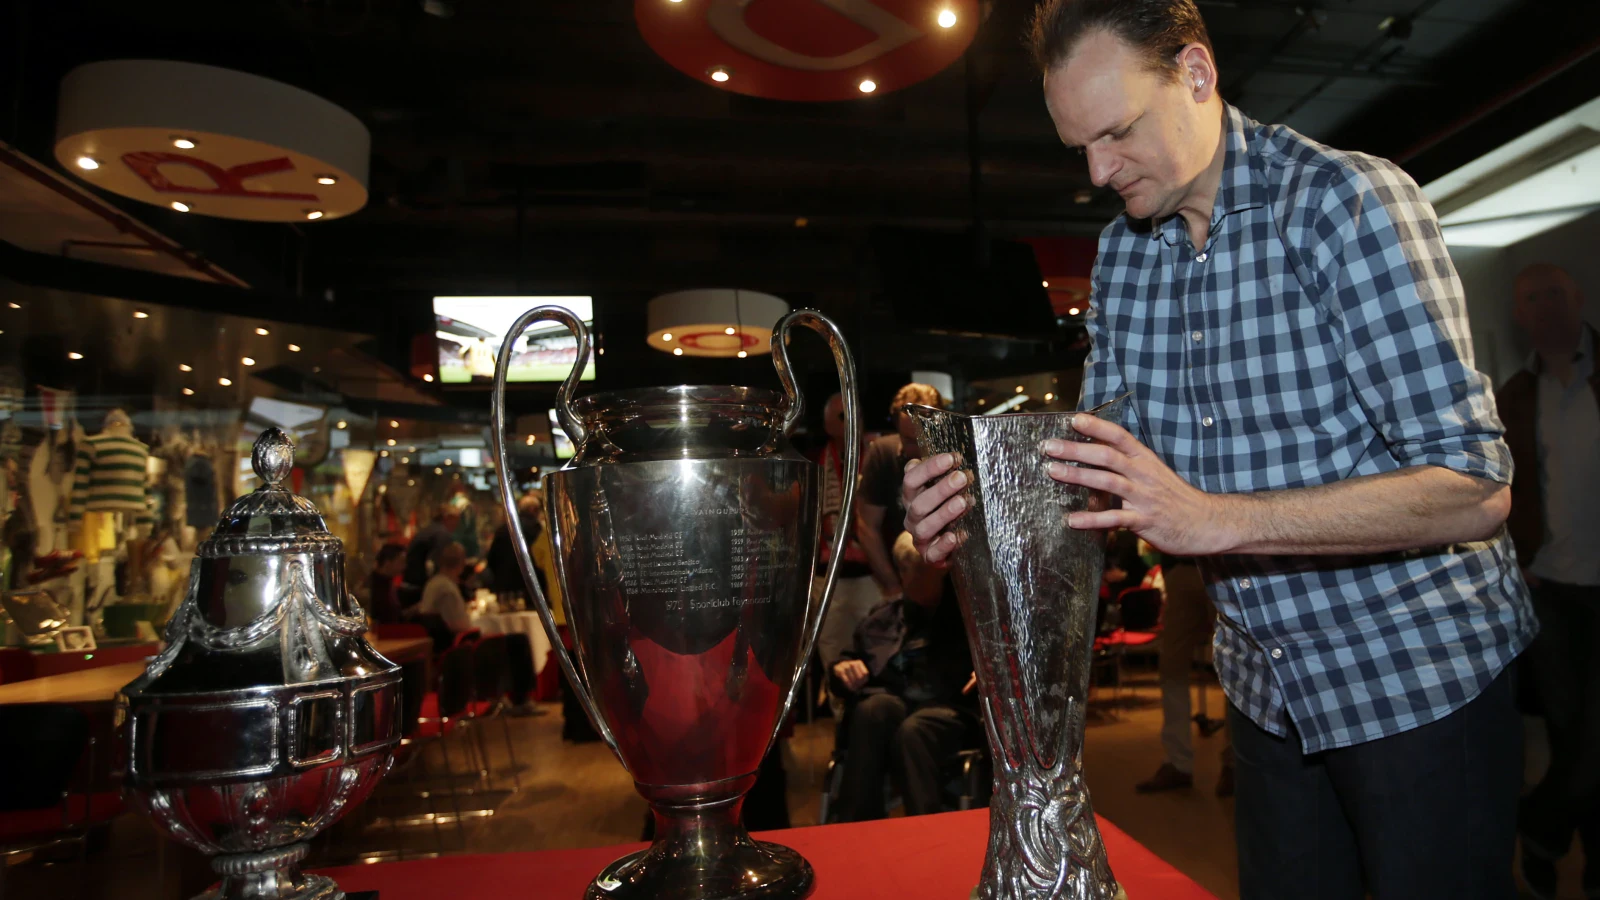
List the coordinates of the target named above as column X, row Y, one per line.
column 470, row 330
column 558, row 437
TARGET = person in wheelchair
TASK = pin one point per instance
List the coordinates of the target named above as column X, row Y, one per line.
column 907, row 687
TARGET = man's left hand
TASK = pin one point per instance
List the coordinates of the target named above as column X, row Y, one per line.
column 1157, row 504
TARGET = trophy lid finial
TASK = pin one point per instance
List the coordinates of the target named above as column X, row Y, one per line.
column 273, row 456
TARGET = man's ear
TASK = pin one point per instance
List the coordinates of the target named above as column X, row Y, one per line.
column 1198, row 71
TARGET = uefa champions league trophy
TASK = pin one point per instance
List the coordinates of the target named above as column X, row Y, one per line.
column 1029, row 586
column 685, row 531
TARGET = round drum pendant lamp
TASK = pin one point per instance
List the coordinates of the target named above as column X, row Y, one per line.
column 719, row 322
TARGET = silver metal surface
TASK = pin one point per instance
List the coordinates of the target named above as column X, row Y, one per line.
column 1029, row 586
column 268, row 716
column 686, row 531
column 34, row 612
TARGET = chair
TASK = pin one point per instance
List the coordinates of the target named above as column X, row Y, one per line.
column 49, row 798
column 442, row 714
column 968, row 775
column 1135, row 626
column 491, row 669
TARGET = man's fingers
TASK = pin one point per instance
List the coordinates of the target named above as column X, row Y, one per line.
column 1096, row 479
column 921, row 471
column 1105, row 432
column 935, row 494
column 1100, row 521
column 934, row 522
column 1102, row 455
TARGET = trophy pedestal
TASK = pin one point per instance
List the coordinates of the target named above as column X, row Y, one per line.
column 273, row 873
column 703, row 853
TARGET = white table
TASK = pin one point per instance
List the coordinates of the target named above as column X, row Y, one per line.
column 527, row 623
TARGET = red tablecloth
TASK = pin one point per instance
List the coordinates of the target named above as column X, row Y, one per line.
column 929, row 858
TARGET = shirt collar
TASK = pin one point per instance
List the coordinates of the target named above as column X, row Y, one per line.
column 1244, row 182
column 1535, row 363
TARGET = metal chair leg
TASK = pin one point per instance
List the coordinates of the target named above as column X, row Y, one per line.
column 433, row 808
column 511, row 753
column 450, row 775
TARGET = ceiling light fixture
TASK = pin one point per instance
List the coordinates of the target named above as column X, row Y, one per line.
column 666, row 336
column 188, row 392
column 1046, row 283
column 1073, row 311
column 391, row 442
column 262, row 331
column 1019, row 388
column 88, row 163
column 342, row 424
column 383, row 453
column 394, row 423
column 313, row 214
column 327, row 179
column 1049, row 397
column 225, row 382
column 720, row 74
column 530, row 440
column 437, row 470
column 742, row 354
column 405, row 460
column 947, row 18
column 74, row 355
column 249, row 361
column 713, row 322
column 14, row 305
column 294, row 348
column 140, row 314
column 677, row 351
column 183, row 143
column 429, row 378
column 868, row 86
column 180, row 206
column 185, row 367
column 728, row 330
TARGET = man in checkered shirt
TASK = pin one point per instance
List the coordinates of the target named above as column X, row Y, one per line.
column 1305, row 416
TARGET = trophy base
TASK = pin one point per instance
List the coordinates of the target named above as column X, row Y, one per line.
column 750, row 870
column 310, row 887
column 269, row 875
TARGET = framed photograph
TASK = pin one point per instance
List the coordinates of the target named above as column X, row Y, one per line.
column 75, row 640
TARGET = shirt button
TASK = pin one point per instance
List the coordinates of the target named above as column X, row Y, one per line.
column 1277, row 653
column 1245, row 584
column 1208, row 421
column 1198, row 337
column 1202, row 257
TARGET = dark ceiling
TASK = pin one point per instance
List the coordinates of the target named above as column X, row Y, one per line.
column 541, row 145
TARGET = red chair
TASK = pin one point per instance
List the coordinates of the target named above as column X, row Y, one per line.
column 1138, row 615
column 399, row 631
column 56, row 801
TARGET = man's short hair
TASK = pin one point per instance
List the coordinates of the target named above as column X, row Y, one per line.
column 531, row 503
column 1157, row 29
column 453, row 556
column 921, row 394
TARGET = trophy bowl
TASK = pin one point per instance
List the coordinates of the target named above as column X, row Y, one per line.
column 686, row 532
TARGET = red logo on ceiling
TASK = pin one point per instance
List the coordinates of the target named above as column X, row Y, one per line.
column 811, row 50
column 227, row 182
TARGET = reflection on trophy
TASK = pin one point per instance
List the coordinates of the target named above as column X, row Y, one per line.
column 686, row 534
column 1029, row 585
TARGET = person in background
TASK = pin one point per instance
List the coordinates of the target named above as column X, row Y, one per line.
column 909, row 677
column 383, row 599
column 1307, row 419
column 1551, row 410
column 422, row 553
column 1188, row 622
column 505, row 575
column 854, row 592
column 879, row 510
column 441, row 596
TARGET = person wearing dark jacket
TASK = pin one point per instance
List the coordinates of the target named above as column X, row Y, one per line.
column 505, row 575
column 1551, row 411
column 908, row 681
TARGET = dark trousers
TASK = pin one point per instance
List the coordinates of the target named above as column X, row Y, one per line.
column 888, row 737
column 1426, row 813
column 1564, row 666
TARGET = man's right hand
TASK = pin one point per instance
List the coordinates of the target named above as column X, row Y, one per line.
column 853, row 672
column 933, row 500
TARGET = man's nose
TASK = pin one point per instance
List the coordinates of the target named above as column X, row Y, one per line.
column 1102, row 166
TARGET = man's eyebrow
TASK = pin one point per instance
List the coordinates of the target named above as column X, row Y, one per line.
column 1113, row 129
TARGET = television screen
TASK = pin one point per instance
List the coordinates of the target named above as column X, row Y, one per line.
column 558, row 437
column 470, row 331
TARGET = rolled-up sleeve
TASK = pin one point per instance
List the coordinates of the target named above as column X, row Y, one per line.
column 1392, row 295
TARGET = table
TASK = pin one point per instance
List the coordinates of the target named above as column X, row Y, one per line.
column 928, row 857
column 101, row 685
column 527, row 623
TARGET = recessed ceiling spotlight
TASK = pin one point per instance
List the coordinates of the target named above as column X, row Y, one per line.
column 294, row 348
column 188, row 392
column 868, row 86
column 1046, row 284
column 180, row 206
column 343, row 424
column 720, row 75
column 947, row 18
column 225, row 382
column 262, row 331
column 1073, row 311
column 437, row 470
column 140, row 314
column 391, row 442
column 88, row 163
column 666, row 336
column 74, row 355
column 249, row 361
column 185, row 367
column 728, row 330
column 327, row 179
column 14, row 305
column 313, row 214
column 394, row 423
column 1019, row 388
column 429, row 378
column 677, row 351
column 743, row 354
column 183, row 143
column 383, row 453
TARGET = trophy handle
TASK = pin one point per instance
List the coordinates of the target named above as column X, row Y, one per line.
column 575, row 430
column 846, row 365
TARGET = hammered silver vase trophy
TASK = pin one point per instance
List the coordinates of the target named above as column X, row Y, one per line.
column 1029, row 587
column 268, row 716
column 686, row 532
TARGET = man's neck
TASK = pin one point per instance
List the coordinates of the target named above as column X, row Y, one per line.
column 1558, row 358
column 1201, row 199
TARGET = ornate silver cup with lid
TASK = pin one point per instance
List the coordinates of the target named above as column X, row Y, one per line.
column 686, row 532
column 1029, row 587
column 268, row 716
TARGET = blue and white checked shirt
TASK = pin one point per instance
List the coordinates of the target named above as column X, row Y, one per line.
column 1321, row 334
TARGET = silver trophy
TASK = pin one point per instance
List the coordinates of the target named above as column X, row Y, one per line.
column 1029, row 587
column 686, row 536
column 269, row 715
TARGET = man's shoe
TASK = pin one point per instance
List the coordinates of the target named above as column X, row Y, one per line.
column 1225, row 782
column 1167, row 778
column 1539, row 874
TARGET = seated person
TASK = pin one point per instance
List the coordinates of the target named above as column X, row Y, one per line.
column 383, row 601
column 906, row 682
column 442, row 607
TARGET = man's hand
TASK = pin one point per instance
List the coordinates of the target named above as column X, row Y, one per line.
column 853, row 672
column 933, row 500
column 1157, row 504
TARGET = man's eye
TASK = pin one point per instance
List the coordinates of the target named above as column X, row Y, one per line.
column 1123, row 133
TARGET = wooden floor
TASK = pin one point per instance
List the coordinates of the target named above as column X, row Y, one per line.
column 578, row 796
